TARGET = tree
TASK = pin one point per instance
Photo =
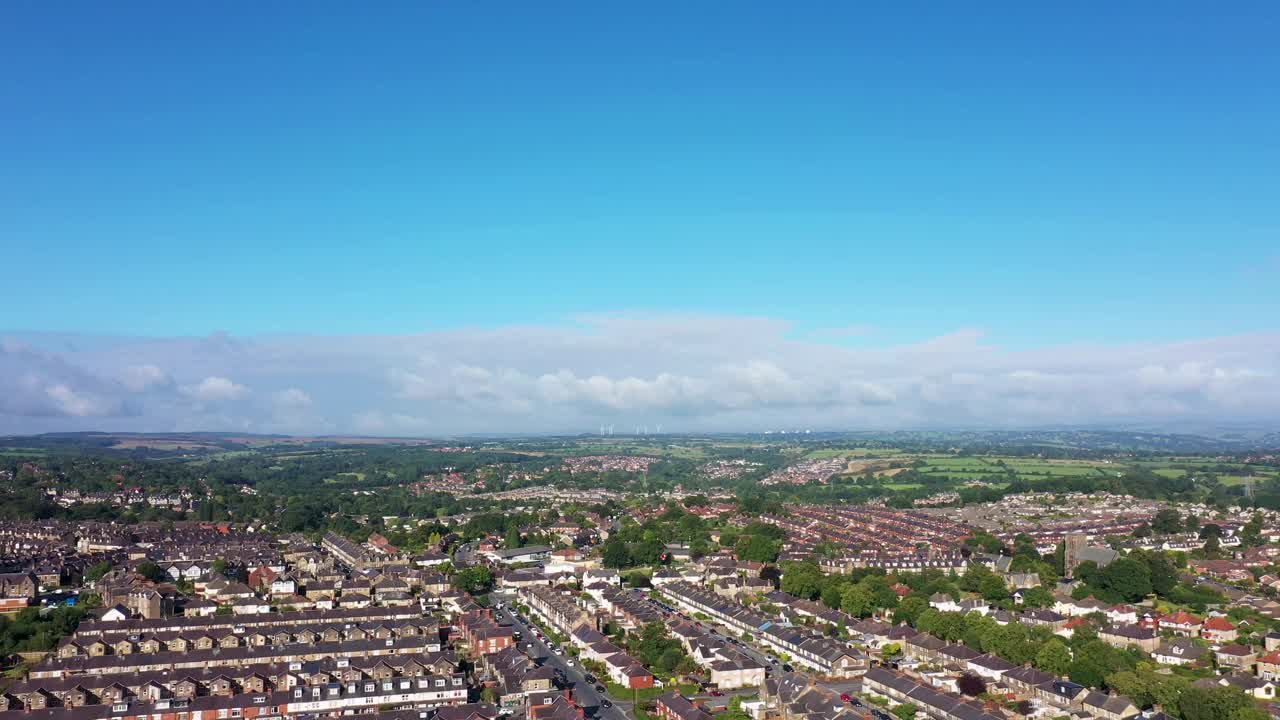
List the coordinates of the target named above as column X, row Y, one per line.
column 1053, row 657
column 614, row 554
column 1128, row 578
column 151, row 571
column 1164, row 573
column 475, row 580
column 758, row 548
column 95, row 572
column 971, row 684
column 1212, row 546
column 772, row 574
column 1037, row 597
column 909, row 610
column 993, row 588
column 1192, row 522
column 833, row 594
column 1212, row 703
column 513, row 538
column 905, row 711
column 802, row 579
column 857, row 600
column 489, row 694
column 1167, row 522
column 1251, row 533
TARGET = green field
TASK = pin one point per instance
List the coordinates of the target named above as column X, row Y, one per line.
column 1258, row 479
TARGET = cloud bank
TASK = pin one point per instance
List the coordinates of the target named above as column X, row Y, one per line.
column 685, row 372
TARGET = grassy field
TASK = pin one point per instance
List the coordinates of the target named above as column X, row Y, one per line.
column 1258, row 478
column 1051, row 468
column 22, row 452
column 856, row 452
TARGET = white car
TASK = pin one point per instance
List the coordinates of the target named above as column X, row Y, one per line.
column 569, row 662
column 558, row 651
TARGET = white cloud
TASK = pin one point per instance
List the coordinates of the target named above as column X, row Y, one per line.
column 292, row 399
column 216, row 389
column 686, row 372
column 139, row 378
column 77, row 404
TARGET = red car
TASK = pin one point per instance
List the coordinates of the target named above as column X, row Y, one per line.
column 717, row 693
column 845, row 697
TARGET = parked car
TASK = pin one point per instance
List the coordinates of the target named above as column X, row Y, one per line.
column 604, row 702
column 589, row 678
column 601, row 689
column 717, row 693
column 846, row 697
column 787, row 668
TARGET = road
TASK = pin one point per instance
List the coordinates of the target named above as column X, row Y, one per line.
column 583, row 691
column 851, row 687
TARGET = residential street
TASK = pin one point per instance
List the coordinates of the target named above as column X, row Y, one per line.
column 582, row 690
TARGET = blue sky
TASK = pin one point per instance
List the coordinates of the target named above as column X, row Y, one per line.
column 1049, row 176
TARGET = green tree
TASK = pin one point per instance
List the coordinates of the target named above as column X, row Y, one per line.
column 1127, row 577
column 614, row 554
column 1054, row 657
column 95, row 572
column 905, row 711
column 1217, row 703
column 1037, row 597
column 802, row 579
column 151, row 571
column 1167, row 522
column 857, row 600
column 758, row 548
column 1251, row 533
column 909, row 610
column 475, row 580
column 993, row 588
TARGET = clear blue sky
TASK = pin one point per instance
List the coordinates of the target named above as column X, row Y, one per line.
column 1073, row 173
